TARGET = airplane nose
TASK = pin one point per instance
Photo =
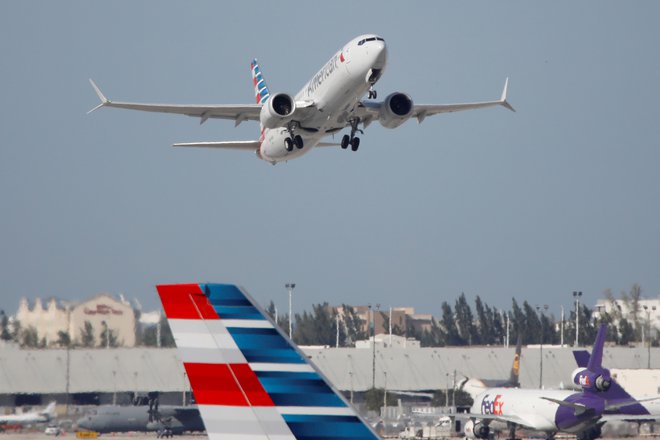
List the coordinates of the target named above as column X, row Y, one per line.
column 380, row 55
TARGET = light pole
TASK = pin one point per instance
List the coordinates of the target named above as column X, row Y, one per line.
column 648, row 319
column 385, row 397
column 561, row 326
column 538, row 308
column 576, row 296
column 290, row 287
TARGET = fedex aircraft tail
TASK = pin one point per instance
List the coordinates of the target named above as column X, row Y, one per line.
column 249, row 380
column 260, row 88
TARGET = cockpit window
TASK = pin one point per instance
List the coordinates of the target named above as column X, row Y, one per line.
column 361, row 42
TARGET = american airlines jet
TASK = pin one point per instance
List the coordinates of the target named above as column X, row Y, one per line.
column 330, row 102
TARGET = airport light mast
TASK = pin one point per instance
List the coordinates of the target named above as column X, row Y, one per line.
column 538, row 309
column 576, row 296
column 290, row 287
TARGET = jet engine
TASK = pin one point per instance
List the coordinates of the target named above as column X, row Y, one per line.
column 476, row 429
column 395, row 110
column 600, row 381
column 277, row 111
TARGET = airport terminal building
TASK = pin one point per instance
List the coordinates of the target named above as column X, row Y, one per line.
column 96, row 376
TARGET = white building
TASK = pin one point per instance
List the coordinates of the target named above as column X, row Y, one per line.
column 648, row 313
column 103, row 311
column 389, row 341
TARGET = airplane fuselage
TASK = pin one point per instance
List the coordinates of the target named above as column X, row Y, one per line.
column 335, row 90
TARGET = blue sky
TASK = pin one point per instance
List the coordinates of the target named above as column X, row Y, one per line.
column 560, row 196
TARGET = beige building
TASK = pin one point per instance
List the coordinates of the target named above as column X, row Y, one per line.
column 102, row 311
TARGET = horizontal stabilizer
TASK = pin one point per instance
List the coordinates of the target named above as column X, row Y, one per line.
column 579, row 409
column 230, row 145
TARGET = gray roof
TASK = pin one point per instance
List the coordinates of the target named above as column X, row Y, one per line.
column 152, row 369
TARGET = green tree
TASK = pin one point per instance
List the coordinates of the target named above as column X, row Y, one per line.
column 108, row 337
column 318, row 327
column 87, row 338
column 448, row 324
column 374, row 399
column 63, row 339
column 517, row 321
column 354, row 325
column 626, row 332
column 29, row 337
column 5, row 334
column 465, row 320
column 16, row 331
column 150, row 334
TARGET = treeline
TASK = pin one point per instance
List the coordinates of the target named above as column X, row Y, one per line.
column 463, row 325
column 29, row 337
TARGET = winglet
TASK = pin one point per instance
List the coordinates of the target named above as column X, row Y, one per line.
column 503, row 101
column 100, row 94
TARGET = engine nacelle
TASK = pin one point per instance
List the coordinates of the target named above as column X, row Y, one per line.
column 601, row 381
column 476, row 429
column 395, row 110
column 277, row 111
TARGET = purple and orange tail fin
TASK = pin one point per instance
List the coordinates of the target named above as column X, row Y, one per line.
column 261, row 92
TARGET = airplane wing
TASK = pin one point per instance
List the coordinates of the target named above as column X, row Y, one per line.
column 369, row 111
column 235, row 112
column 231, row 145
column 629, row 417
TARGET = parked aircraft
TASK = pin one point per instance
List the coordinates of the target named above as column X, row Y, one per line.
column 475, row 386
column 111, row 418
column 331, row 101
column 43, row 416
column 249, row 380
column 551, row 411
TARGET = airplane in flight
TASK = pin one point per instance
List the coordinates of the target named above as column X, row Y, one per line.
column 582, row 413
column 249, row 379
column 331, row 101
column 43, row 416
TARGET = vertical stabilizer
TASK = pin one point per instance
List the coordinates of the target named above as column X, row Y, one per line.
column 596, row 359
column 261, row 92
column 249, row 380
column 514, row 377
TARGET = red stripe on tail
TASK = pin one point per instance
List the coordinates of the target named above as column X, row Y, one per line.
column 185, row 301
column 214, row 384
column 251, row 386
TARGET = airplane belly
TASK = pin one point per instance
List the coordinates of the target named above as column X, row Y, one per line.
column 273, row 148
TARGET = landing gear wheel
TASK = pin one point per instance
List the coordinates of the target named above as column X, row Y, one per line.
column 298, row 140
column 372, row 94
column 345, row 140
column 288, row 144
column 355, row 143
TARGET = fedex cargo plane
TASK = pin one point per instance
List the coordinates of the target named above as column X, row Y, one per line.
column 552, row 411
column 330, row 102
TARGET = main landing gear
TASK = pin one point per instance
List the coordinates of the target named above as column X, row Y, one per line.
column 352, row 140
column 372, row 93
column 293, row 139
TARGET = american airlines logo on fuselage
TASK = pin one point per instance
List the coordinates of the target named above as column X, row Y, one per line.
column 492, row 406
column 323, row 74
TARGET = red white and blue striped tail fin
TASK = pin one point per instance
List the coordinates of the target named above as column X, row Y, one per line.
column 260, row 88
column 249, row 380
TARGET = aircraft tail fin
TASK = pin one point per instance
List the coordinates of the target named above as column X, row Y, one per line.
column 581, row 358
column 260, row 88
column 249, row 380
column 49, row 411
column 596, row 358
column 514, row 377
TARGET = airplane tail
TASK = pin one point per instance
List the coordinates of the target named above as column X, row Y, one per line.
column 514, row 377
column 249, row 380
column 260, row 88
column 49, row 411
